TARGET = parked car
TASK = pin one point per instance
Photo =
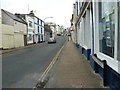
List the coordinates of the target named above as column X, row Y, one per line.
column 51, row 40
column 58, row 34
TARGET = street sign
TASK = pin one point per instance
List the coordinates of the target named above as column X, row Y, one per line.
column 71, row 30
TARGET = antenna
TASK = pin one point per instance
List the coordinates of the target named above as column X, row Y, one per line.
column 28, row 8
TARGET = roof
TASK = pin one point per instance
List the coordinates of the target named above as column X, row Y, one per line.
column 14, row 17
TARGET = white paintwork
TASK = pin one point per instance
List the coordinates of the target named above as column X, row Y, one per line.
column 112, row 62
column 30, row 29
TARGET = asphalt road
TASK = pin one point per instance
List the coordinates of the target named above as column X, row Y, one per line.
column 22, row 68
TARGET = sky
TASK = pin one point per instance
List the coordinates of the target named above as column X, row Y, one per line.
column 60, row 10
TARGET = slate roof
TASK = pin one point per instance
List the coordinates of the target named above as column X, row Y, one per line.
column 14, row 17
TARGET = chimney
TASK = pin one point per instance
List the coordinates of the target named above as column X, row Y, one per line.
column 17, row 14
column 31, row 13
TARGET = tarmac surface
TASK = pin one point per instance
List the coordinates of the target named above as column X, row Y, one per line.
column 22, row 67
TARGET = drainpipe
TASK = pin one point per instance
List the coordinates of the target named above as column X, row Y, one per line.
column 104, row 73
column 92, row 28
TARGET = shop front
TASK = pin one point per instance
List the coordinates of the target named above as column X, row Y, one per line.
column 107, row 41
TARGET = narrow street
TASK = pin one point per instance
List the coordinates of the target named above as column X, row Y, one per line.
column 60, row 44
column 22, row 68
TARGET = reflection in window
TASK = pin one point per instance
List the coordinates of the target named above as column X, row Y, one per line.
column 106, row 27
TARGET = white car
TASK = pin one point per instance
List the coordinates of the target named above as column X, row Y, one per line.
column 52, row 40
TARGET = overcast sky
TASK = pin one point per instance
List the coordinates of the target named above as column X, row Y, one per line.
column 60, row 10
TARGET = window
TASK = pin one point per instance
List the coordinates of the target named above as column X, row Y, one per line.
column 29, row 37
column 74, row 5
column 106, row 28
column 38, row 28
column 30, row 24
column 118, row 31
column 41, row 30
column 77, row 8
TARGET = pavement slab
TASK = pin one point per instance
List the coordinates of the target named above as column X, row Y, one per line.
column 72, row 70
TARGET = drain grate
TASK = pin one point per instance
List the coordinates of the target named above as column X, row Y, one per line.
column 40, row 85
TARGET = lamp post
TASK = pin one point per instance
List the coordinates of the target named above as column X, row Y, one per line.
column 47, row 18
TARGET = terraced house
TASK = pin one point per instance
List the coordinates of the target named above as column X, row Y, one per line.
column 29, row 18
column 14, row 31
column 98, row 37
column 35, row 33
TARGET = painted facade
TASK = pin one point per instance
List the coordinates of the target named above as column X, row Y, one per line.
column 35, row 33
column 29, row 18
column 30, row 34
column 53, row 29
column 73, row 21
column 20, row 31
column 42, row 32
column 48, row 32
column 39, row 30
column 7, row 36
column 59, row 29
column 13, row 30
column 98, row 38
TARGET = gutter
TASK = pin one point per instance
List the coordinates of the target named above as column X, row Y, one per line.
column 83, row 10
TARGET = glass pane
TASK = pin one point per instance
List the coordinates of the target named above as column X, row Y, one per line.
column 119, row 32
column 106, row 27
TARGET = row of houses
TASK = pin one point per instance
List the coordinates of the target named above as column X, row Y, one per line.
column 21, row 29
column 96, row 33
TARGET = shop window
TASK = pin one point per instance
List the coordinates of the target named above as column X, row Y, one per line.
column 106, row 28
column 118, row 31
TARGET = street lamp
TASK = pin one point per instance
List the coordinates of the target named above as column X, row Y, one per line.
column 47, row 18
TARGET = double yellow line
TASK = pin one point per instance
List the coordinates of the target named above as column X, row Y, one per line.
column 50, row 65
column 41, row 79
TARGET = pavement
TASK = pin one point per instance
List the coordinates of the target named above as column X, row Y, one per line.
column 19, row 48
column 72, row 70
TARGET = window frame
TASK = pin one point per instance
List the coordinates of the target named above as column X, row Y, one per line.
column 31, row 24
column 118, row 46
column 111, row 61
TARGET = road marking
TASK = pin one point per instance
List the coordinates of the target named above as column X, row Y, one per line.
column 50, row 65
column 41, row 79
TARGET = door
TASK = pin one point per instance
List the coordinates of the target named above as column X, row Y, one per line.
column 25, row 40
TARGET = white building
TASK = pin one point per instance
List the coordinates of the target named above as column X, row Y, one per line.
column 98, row 38
column 14, row 30
column 29, row 18
column 39, row 30
column 53, row 28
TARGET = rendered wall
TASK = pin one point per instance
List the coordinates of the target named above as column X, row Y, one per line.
column 7, row 36
column 20, row 27
column 18, row 40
